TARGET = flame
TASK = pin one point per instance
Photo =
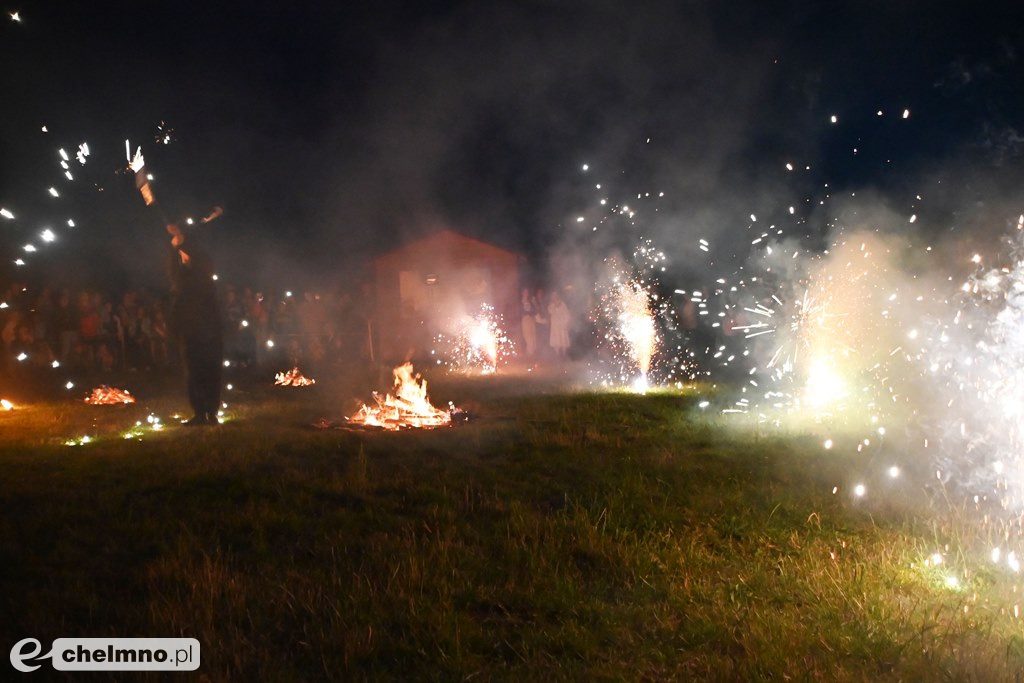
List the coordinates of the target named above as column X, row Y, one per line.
column 6, row 405
column 409, row 407
column 108, row 396
column 292, row 378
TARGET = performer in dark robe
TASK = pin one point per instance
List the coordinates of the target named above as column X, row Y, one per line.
column 195, row 321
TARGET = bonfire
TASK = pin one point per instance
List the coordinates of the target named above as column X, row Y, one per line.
column 109, row 396
column 408, row 407
column 292, row 378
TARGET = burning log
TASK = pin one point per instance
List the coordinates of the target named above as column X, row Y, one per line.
column 108, row 396
column 408, row 407
column 292, row 378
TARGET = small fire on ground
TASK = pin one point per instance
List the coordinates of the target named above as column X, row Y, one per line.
column 408, row 407
column 292, row 378
column 108, row 396
column 6, row 405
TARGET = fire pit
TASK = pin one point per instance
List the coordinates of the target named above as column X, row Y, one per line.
column 292, row 378
column 109, row 396
column 409, row 406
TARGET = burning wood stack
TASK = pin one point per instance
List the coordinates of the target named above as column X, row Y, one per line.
column 292, row 378
column 109, row 396
column 409, row 407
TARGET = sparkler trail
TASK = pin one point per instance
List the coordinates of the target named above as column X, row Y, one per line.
column 975, row 356
column 48, row 236
column 71, row 161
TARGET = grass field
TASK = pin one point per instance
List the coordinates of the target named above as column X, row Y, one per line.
column 555, row 536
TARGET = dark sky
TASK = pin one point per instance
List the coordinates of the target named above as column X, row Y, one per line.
column 330, row 130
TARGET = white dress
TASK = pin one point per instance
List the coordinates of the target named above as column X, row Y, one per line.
column 558, row 313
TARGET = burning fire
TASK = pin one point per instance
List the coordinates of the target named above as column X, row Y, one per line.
column 108, row 396
column 292, row 378
column 409, row 407
column 6, row 405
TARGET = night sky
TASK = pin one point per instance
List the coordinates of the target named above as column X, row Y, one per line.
column 329, row 131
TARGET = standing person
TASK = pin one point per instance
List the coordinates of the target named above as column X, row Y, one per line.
column 231, row 323
column 158, row 338
column 540, row 300
column 195, row 320
column 528, row 310
column 558, row 313
column 247, row 329
column 46, row 321
column 67, row 325
column 143, row 338
column 88, row 327
column 688, row 317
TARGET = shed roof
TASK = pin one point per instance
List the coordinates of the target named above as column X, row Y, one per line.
column 444, row 246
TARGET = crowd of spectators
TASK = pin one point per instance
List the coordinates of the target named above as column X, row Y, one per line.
column 90, row 330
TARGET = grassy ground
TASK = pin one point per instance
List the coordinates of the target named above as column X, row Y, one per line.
column 553, row 537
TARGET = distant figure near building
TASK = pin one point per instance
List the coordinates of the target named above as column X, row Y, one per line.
column 540, row 300
column 528, row 310
column 558, row 313
column 688, row 317
column 195, row 321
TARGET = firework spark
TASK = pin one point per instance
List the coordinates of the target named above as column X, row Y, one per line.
column 478, row 344
column 636, row 326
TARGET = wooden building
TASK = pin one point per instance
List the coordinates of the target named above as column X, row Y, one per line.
column 424, row 287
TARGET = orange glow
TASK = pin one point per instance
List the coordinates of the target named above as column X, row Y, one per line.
column 108, row 396
column 292, row 378
column 409, row 407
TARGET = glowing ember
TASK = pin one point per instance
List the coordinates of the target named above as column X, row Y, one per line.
column 108, row 396
column 292, row 378
column 409, row 407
